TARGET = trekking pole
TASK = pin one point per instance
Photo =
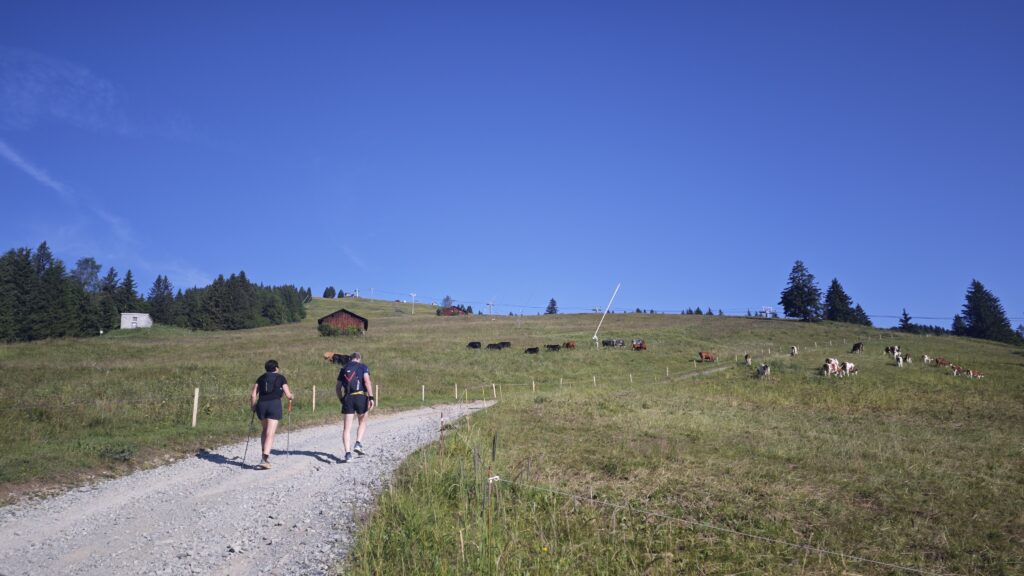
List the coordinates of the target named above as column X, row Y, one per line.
column 288, row 440
column 249, row 437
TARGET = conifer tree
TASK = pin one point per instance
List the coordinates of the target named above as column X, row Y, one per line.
column 446, row 302
column 329, row 292
column 698, row 311
column 838, row 306
column 860, row 316
column 959, row 327
column 905, row 324
column 802, row 297
column 161, row 301
column 127, row 295
column 984, row 316
column 552, row 307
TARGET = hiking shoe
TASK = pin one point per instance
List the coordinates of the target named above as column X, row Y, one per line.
column 264, row 465
column 348, row 457
column 359, row 448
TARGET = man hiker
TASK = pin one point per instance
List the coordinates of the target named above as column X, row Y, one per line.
column 355, row 390
column 266, row 403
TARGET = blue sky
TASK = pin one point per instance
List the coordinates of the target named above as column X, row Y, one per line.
column 523, row 151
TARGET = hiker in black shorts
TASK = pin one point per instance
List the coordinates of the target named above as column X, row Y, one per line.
column 355, row 390
column 266, row 403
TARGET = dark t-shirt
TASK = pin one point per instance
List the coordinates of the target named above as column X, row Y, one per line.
column 271, row 386
column 351, row 377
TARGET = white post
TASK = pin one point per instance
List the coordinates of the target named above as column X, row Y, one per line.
column 195, row 407
column 630, row 378
column 533, row 383
column 559, row 382
column 314, row 398
column 494, row 391
column 456, row 391
column 423, row 393
column 595, row 380
column 666, row 370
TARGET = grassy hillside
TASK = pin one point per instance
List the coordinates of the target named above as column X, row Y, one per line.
column 907, row 466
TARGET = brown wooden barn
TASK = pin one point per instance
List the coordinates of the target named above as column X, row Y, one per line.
column 345, row 319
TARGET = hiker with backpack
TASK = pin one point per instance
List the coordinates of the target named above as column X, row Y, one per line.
column 355, row 391
column 266, row 403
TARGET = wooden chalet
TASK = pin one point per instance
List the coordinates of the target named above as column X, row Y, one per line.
column 344, row 319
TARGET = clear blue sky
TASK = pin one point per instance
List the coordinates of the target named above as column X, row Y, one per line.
column 521, row 151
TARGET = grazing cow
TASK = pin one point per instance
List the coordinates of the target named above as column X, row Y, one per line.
column 553, row 347
column 793, row 351
column 857, row 348
column 975, row 374
column 706, row 356
column 831, row 366
column 505, row 344
column 764, row 371
column 899, row 360
column 925, row 359
column 847, row 369
column 494, row 346
column 940, row 361
column 892, row 350
column 957, row 370
column 639, row 344
column 327, row 356
column 613, row 343
column 747, row 359
column 532, row 350
column 473, row 345
column 569, row 345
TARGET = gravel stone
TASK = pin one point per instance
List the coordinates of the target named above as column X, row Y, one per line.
column 212, row 514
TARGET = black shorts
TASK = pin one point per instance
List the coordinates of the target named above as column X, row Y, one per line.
column 269, row 409
column 354, row 404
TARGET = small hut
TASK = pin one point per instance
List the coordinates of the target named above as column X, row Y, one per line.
column 130, row 320
column 343, row 319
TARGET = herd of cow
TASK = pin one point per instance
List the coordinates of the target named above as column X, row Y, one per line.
column 831, row 367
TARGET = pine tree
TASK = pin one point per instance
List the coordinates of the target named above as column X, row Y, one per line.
column 860, row 316
column 329, row 292
column 446, row 302
column 801, row 298
column 838, row 306
column 984, row 316
column 905, row 324
column 552, row 307
column 161, row 301
column 689, row 310
column 698, row 311
column 959, row 327
column 127, row 295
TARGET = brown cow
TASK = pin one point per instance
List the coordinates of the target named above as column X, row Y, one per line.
column 639, row 344
column 569, row 345
column 747, row 359
column 706, row 356
column 940, row 361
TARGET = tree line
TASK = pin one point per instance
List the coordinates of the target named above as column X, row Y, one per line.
column 982, row 315
column 40, row 298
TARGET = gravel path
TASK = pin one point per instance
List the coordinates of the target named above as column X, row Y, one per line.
column 212, row 515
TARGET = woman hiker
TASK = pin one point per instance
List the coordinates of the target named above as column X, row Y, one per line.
column 266, row 403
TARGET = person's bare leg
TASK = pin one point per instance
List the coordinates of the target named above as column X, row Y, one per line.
column 269, row 428
column 346, row 430
column 362, row 428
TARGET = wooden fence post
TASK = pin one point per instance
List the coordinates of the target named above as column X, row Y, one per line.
column 195, row 407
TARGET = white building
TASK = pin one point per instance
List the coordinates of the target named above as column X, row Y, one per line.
column 131, row 320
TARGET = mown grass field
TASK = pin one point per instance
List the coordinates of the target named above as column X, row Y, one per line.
column 911, row 466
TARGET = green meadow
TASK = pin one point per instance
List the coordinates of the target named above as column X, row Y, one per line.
column 608, row 461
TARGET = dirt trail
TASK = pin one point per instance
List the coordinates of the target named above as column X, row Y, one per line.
column 212, row 515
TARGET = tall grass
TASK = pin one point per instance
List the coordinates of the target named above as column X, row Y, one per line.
column 908, row 466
